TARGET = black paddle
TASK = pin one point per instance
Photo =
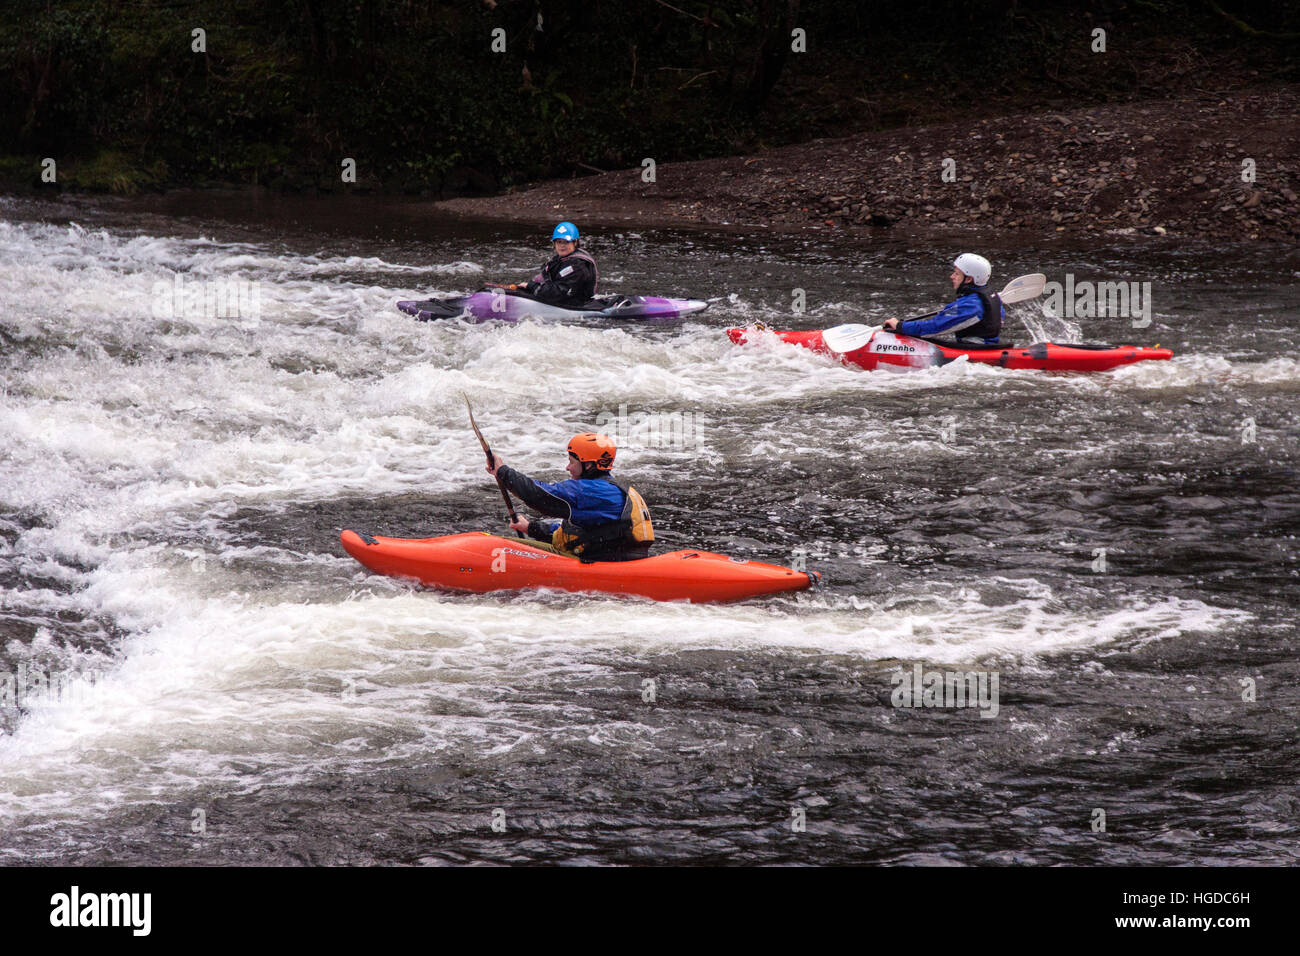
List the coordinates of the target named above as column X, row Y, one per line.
column 490, row 460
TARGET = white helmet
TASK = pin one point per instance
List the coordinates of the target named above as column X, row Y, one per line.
column 977, row 267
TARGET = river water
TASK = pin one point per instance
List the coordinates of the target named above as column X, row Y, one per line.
column 199, row 675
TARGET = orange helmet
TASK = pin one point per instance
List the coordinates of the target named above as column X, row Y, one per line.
column 592, row 448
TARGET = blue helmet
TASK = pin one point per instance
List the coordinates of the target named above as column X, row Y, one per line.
column 565, row 230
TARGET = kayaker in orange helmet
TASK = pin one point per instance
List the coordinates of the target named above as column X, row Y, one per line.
column 602, row 517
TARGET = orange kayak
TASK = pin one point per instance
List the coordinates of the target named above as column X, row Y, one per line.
column 478, row 561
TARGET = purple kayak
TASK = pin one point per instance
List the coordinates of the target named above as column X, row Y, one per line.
column 512, row 306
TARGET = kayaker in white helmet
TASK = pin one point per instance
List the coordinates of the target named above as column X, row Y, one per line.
column 974, row 317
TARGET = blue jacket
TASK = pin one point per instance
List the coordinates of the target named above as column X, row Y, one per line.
column 586, row 502
column 963, row 312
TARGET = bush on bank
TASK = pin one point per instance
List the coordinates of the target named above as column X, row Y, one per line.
column 414, row 92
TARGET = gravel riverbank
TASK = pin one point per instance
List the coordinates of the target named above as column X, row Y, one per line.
column 1164, row 167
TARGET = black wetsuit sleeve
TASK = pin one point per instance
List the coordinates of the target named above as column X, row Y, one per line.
column 533, row 285
column 539, row 530
column 532, row 494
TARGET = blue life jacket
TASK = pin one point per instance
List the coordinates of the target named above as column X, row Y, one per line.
column 601, row 516
column 974, row 315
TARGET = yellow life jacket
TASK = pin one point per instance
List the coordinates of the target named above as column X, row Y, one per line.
column 627, row 538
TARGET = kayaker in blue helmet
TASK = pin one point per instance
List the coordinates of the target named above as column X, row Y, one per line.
column 569, row 278
column 974, row 317
column 602, row 517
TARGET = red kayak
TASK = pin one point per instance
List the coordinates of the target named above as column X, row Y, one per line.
column 478, row 561
column 869, row 348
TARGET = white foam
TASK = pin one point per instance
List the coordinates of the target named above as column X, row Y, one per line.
column 133, row 437
column 210, row 680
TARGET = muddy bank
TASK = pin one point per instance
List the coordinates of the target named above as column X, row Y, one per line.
column 1164, row 167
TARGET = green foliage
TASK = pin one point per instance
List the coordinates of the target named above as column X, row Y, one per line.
column 112, row 171
column 413, row 92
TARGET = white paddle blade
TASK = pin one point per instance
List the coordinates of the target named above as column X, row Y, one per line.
column 848, row 338
column 1023, row 287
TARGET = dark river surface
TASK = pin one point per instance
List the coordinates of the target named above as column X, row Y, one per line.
column 195, row 673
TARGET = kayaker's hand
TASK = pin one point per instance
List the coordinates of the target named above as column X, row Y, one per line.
column 520, row 524
column 494, row 465
column 891, row 325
